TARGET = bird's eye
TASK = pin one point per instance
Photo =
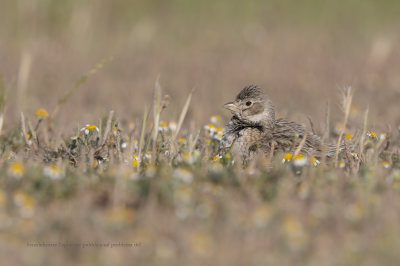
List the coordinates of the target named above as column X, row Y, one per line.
column 248, row 103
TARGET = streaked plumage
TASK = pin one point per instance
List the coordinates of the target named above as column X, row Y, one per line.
column 253, row 128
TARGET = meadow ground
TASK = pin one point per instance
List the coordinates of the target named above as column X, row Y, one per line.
column 111, row 115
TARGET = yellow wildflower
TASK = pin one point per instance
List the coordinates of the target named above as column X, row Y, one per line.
column 88, row 128
column 215, row 119
column 53, row 171
column 287, row 157
column 42, row 113
column 183, row 174
column 299, row 160
column 315, row 161
column 348, row 136
column 16, row 169
column 25, row 203
column 135, row 161
column 216, row 158
column 163, row 127
column 172, row 125
column 386, row 164
column 371, row 134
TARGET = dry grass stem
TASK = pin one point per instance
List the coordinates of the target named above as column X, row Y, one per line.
column 346, row 105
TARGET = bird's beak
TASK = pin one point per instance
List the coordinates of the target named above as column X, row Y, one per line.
column 231, row 106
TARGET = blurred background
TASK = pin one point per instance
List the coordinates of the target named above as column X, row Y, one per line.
column 301, row 53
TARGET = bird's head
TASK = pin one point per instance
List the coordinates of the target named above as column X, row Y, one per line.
column 253, row 106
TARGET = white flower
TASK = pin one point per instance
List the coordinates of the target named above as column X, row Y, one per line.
column 315, row 161
column 287, row 157
column 53, row 171
column 211, row 129
column 163, row 127
column 124, row 145
column 386, row 164
column 184, row 175
column 215, row 119
column 300, row 160
column 172, row 126
column 88, row 128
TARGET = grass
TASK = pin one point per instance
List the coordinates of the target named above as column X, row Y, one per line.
column 157, row 198
column 110, row 170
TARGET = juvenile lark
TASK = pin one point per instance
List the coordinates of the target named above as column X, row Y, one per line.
column 253, row 128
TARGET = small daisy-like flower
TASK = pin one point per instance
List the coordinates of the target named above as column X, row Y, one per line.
column 287, row 157
column 135, row 161
column 183, row 174
column 211, row 129
column 348, row 136
column 215, row 119
column 11, row 156
column 53, row 171
column 148, row 155
column 29, row 138
column 385, row 164
column 115, row 131
column 124, row 145
column 218, row 133
column 89, row 128
column 182, row 140
column 219, row 136
column 95, row 163
column 315, row 161
column 216, row 158
column 299, row 160
column 251, row 171
column 163, row 127
column 41, row 113
column 341, row 164
column 25, row 203
column 208, row 141
column 172, row 125
column 371, row 134
column 16, row 169
column 355, row 155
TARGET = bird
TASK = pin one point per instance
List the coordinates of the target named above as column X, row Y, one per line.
column 253, row 128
